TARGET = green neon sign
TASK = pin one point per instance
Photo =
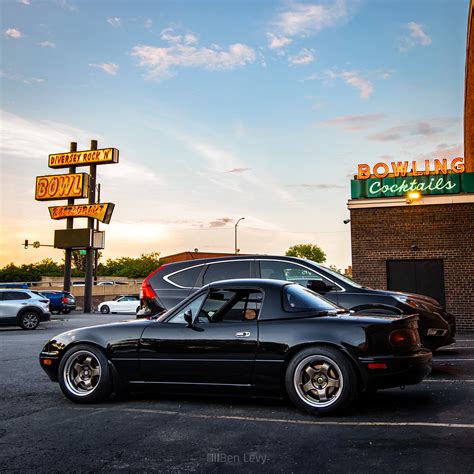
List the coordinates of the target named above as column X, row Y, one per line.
column 395, row 187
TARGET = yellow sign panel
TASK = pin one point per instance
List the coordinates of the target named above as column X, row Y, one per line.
column 84, row 158
column 62, row 186
column 101, row 212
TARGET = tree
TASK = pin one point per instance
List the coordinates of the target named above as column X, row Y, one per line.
column 12, row 273
column 132, row 267
column 48, row 267
column 308, row 251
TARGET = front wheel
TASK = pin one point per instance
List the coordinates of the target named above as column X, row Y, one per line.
column 105, row 309
column 321, row 380
column 29, row 320
column 84, row 375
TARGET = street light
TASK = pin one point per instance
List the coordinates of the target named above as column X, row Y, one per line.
column 235, row 234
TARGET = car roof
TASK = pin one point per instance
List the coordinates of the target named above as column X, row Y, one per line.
column 248, row 282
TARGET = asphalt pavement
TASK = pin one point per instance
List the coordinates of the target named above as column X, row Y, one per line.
column 426, row 428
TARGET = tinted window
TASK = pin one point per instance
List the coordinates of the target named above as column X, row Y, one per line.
column 279, row 270
column 298, row 299
column 227, row 271
column 15, row 295
column 186, row 278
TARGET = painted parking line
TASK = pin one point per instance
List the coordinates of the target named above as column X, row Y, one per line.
column 300, row 422
column 447, row 381
column 449, row 360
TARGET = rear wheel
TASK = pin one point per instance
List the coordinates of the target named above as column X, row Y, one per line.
column 321, row 380
column 29, row 320
column 66, row 311
column 105, row 309
column 84, row 375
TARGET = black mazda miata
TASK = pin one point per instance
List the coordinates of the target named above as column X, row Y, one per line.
column 244, row 337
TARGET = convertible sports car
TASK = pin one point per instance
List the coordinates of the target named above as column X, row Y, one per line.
column 244, row 337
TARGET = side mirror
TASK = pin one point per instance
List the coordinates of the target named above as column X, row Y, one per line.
column 318, row 286
column 188, row 317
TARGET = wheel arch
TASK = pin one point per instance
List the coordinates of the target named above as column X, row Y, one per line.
column 117, row 381
column 360, row 375
column 29, row 308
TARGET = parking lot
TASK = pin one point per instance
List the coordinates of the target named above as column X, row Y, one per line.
column 423, row 428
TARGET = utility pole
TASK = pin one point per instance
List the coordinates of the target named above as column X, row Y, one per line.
column 235, row 235
column 96, row 251
column 469, row 95
column 90, row 250
column 69, row 225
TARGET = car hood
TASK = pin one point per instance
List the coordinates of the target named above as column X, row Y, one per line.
column 415, row 296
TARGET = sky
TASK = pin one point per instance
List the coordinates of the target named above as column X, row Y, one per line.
column 222, row 110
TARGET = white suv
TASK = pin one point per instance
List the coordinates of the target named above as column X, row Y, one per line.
column 23, row 308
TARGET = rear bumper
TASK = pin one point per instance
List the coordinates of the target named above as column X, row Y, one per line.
column 45, row 316
column 395, row 371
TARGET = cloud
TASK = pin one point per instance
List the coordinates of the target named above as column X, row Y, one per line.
column 353, row 122
column 109, row 68
column 305, row 56
column 183, row 52
column 303, row 19
column 221, row 222
column 238, row 170
column 67, row 6
column 25, row 2
column 46, row 44
column 114, row 21
column 278, row 42
column 16, row 77
column 442, row 151
column 13, row 33
column 421, row 128
column 416, row 36
column 316, row 186
column 364, row 86
column 352, row 78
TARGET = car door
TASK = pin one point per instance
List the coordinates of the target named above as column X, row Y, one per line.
column 10, row 304
column 219, row 348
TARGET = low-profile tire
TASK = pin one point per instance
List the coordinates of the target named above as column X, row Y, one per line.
column 321, row 380
column 104, row 309
column 29, row 320
column 84, row 374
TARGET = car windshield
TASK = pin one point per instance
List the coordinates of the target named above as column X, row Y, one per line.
column 341, row 277
column 299, row 299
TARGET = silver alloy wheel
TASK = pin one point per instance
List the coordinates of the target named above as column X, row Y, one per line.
column 318, row 381
column 82, row 373
column 30, row 320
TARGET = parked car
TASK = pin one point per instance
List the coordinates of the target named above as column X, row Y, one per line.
column 171, row 283
column 248, row 337
column 14, row 285
column 120, row 304
column 110, row 283
column 60, row 301
column 23, row 308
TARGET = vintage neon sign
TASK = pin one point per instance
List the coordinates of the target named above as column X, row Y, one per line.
column 406, row 186
column 404, row 168
column 84, row 158
column 62, row 186
column 102, row 212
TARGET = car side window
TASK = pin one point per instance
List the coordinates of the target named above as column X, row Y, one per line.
column 193, row 306
column 280, row 270
column 223, row 306
column 186, row 278
column 227, row 271
column 297, row 299
column 15, row 295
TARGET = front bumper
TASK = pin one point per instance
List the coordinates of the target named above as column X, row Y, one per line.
column 50, row 364
column 397, row 370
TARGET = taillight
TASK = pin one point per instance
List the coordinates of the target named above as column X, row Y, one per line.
column 44, row 301
column 64, row 300
column 404, row 338
column 146, row 290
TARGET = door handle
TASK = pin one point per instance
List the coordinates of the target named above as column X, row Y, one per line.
column 242, row 334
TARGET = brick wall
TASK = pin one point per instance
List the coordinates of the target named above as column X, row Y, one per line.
column 418, row 232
